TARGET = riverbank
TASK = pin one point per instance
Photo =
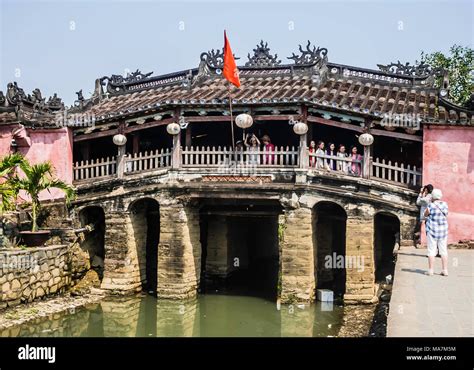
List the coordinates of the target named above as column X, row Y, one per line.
column 51, row 308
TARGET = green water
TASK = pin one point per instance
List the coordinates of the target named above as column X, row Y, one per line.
column 210, row 315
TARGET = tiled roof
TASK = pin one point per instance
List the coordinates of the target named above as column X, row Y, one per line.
column 309, row 80
column 394, row 89
column 349, row 94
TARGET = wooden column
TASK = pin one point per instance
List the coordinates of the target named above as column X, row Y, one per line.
column 121, row 154
column 136, row 143
column 188, row 139
column 176, row 152
column 121, row 160
column 85, row 150
column 303, row 151
column 366, row 164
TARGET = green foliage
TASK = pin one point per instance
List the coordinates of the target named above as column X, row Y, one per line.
column 37, row 178
column 34, row 179
column 460, row 68
column 8, row 193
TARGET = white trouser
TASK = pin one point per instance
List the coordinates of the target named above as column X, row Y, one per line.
column 437, row 244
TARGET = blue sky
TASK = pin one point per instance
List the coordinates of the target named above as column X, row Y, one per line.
column 63, row 46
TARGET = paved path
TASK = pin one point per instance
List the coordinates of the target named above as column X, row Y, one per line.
column 432, row 306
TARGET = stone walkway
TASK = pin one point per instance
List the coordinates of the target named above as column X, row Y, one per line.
column 432, row 306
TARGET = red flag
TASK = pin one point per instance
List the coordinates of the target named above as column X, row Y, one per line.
column 230, row 72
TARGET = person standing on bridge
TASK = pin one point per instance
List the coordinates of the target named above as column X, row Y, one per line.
column 342, row 166
column 437, row 231
column 423, row 201
column 320, row 153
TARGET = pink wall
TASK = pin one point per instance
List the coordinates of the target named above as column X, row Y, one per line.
column 46, row 145
column 448, row 164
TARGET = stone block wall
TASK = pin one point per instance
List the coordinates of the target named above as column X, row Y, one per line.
column 33, row 273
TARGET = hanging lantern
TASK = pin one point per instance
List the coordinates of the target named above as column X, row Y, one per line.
column 300, row 128
column 366, row 139
column 119, row 139
column 173, row 128
column 244, row 120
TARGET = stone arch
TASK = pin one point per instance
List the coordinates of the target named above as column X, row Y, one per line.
column 386, row 239
column 93, row 218
column 329, row 241
column 145, row 236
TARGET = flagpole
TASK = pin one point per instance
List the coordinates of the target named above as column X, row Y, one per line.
column 231, row 118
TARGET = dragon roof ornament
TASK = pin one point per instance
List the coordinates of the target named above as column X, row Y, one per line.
column 15, row 97
column 421, row 69
column 262, row 58
column 214, row 58
column 310, row 56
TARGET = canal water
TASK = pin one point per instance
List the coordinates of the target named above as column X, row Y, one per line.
column 210, row 315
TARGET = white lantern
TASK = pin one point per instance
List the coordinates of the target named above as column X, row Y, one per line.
column 244, row 120
column 366, row 139
column 173, row 128
column 300, row 128
column 119, row 139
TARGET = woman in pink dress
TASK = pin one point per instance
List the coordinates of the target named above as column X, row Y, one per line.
column 356, row 167
column 268, row 147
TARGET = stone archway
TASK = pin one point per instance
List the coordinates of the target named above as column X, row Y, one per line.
column 386, row 237
column 145, row 228
column 93, row 217
column 329, row 240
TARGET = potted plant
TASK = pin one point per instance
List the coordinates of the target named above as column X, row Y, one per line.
column 37, row 178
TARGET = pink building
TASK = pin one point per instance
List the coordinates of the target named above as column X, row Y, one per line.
column 448, row 164
column 32, row 126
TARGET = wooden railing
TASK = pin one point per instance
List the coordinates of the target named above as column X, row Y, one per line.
column 217, row 157
column 95, row 169
column 345, row 165
column 225, row 158
column 148, row 161
column 397, row 173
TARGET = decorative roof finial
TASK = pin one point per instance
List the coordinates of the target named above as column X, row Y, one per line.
column 262, row 57
column 310, row 56
column 418, row 70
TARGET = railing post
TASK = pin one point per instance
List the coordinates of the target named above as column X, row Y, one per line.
column 176, row 153
column 366, row 162
column 121, row 156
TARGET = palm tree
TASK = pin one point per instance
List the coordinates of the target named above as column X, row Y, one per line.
column 8, row 192
column 39, row 177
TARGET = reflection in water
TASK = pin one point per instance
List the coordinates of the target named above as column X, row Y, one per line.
column 208, row 316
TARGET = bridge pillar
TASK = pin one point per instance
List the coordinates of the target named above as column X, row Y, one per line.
column 179, row 251
column 296, row 256
column 121, row 266
column 217, row 247
column 360, row 269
